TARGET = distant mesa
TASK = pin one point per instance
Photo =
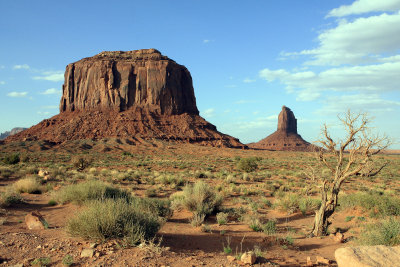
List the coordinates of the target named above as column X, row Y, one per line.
column 285, row 138
column 12, row 132
column 138, row 94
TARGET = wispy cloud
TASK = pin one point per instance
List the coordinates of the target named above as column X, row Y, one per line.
column 247, row 80
column 43, row 112
column 50, row 107
column 2, row 82
column 208, row 113
column 364, row 6
column 21, row 67
column 51, row 91
column 206, row 41
column 17, row 94
column 2, row 67
column 53, row 76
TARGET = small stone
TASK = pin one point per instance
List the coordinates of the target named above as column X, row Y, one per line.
column 230, row 258
column 110, row 252
column 92, row 245
column 39, row 246
column 35, row 220
column 18, row 265
column 309, row 261
column 87, row 253
column 322, row 260
column 97, row 254
column 248, row 257
column 339, row 237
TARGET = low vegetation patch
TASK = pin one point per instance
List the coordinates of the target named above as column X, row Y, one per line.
column 11, row 159
column 9, row 197
column 386, row 232
column 132, row 223
column 199, row 198
column 28, row 185
column 378, row 205
column 90, row 190
column 248, row 164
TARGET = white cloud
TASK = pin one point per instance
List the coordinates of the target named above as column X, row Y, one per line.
column 17, row 94
column 205, row 41
column 53, row 76
column 2, row 82
column 365, row 6
column 357, row 102
column 20, row 67
column 51, row 91
column 2, row 67
column 208, row 113
column 43, row 112
column 247, row 80
column 367, row 78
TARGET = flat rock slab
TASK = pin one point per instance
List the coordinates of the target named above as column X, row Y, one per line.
column 368, row 256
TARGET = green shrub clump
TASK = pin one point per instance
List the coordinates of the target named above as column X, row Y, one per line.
column 248, row 164
column 28, row 185
column 9, row 197
column 386, row 232
column 199, row 198
column 378, row 205
column 130, row 222
column 11, row 159
column 90, row 190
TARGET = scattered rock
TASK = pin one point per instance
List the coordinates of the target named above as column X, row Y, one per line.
column 248, row 257
column 87, row 253
column 322, row 260
column 35, row 220
column 92, row 245
column 309, row 261
column 368, row 256
column 339, row 237
column 231, row 258
column 285, row 138
column 43, row 173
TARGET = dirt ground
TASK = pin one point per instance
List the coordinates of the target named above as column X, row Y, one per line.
column 181, row 243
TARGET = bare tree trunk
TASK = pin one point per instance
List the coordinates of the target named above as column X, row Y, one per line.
column 328, row 206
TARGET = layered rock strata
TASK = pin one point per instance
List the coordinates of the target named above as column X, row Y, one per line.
column 137, row 94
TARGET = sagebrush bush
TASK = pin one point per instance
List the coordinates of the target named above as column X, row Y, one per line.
column 11, row 159
column 199, row 198
column 81, row 163
column 28, row 185
column 78, row 193
column 248, row 164
column 9, row 197
column 378, row 205
column 222, row 218
column 269, row 227
column 6, row 172
column 386, row 232
column 291, row 202
column 115, row 219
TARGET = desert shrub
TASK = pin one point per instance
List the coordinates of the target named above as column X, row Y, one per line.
column 78, row 193
column 6, row 172
column 41, row 262
column 288, row 203
column 68, row 260
column 197, row 219
column 81, row 163
column 115, row 218
column 154, row 206
column 378, row 205
column 199, row 198
column 9, row 197
column 247, row 164
column 255, row 224
column 151, row 192
column 386, row 232
column 269, row 227
column 222, row 218
column 307, row 204
column 11, row 159
column 28, row 185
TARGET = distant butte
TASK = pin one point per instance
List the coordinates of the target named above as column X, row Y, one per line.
column 139, row 94
column 285, row 138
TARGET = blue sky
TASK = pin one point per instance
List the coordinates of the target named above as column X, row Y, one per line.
column 247, row 58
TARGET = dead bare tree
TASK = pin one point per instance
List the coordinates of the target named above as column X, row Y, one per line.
column 349, row 157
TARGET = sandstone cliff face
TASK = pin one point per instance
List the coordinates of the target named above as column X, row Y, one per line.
column 134, row 95
column 121, row 80
column 285, row 138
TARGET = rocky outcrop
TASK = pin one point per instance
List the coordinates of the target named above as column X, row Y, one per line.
column 12, row 132
column 368, row 256
column 136, row 94
column 285, row 138
column 121, row 80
